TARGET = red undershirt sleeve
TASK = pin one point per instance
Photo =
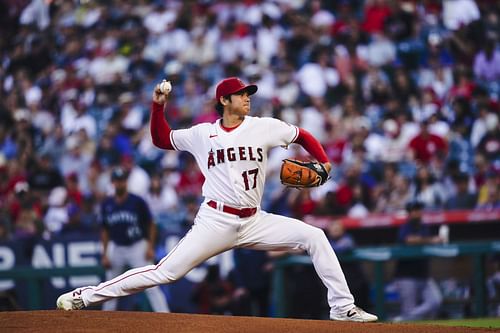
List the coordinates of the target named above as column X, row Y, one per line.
column 311, row 145
column 160, row 130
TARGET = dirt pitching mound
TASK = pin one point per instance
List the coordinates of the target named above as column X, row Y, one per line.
column 103, row 321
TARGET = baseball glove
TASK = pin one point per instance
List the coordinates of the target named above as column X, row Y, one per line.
column 301, row 174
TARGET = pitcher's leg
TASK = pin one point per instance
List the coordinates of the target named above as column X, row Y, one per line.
column 272, row 232
column 111, row 273
column 206, row 239
column 118, row 258
column 137, row 258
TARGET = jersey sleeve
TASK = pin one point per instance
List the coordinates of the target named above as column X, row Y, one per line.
column 281, row 133
column 185, row 139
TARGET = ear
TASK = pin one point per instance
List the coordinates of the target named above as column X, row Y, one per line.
column 223, row 100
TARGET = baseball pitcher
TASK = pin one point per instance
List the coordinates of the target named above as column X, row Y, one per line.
column 232, row 154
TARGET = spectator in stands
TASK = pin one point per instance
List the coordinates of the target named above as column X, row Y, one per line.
column 54, row 144
column 26, row 213
column 487, row 61
column 24, row 136
column 358, row 208
column 463, row 85
column 87, row 144
column 419, row 294
column 481, row 170
column 301, row 203
column 57, row 215
column 403, row 86
column 44, row 176
column 393, row 192
column 461, row 150
column 20, row 195
column 335, row 143
column 457, row 14
column 130, row 115
column 489, row 145
column 463, row 198
column 375, row 14
column 479, row 125
column 75, row 195
column 106, row 154
column 393, row 145
column 74, row 116
column 317, row 76
column 162, row 199
column 425, row 147
column 138, row 179
column 190, row 180
column 87, row 214
column 427, row 189
column 344, row 194
column 489, row 192
column 74, row 161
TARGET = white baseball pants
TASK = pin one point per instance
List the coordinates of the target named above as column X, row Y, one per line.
column 214, row 232
column 134, row 256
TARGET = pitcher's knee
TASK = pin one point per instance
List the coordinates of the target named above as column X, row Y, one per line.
column 169, row 276
column 315, row 235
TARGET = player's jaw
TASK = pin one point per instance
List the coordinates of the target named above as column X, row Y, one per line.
column 245, row 103
column 241, row 105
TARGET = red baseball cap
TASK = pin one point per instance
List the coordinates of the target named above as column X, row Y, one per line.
column 232, row 85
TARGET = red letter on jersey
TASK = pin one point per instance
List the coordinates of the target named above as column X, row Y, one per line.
column 211, row 160
column 231, row 156
column 242, row 152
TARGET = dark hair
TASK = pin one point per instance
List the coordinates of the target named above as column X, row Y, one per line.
column 414, row 205
column 219, row 108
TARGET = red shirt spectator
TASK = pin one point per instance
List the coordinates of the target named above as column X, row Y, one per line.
column 375, row 14
column 463, row 87
column 74, row 194
column 191, row 180
column 426, row 146
column 302, row 204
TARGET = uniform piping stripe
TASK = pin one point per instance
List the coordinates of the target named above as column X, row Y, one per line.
column 147, row 270
column 296, row 134
column 172, row 140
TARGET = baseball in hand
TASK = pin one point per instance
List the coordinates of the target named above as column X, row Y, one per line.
column 165, row 87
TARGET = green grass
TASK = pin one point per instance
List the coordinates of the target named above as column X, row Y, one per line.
column 482, row 322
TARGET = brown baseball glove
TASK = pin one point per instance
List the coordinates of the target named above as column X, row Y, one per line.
column 300, row 174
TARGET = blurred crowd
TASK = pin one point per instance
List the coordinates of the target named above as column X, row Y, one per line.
column 403, row 95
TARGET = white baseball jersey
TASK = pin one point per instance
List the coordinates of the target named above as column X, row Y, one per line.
column 234, row 163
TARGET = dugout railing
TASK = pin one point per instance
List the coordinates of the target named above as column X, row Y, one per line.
column 380, row 256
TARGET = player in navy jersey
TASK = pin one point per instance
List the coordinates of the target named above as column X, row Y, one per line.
column 128, row 235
